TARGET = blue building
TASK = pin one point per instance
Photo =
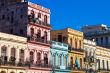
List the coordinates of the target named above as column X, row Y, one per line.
column 59, row 57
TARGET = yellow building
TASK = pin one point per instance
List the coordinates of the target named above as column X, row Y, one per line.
column 75, row 40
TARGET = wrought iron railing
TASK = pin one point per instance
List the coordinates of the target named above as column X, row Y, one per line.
column 35, row 39
column 37, row 21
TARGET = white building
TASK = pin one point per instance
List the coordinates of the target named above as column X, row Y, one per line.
column 13, row 53
column 90, row 56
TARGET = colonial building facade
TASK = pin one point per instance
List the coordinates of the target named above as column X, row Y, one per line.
column 13, row 53
column 59, row 57
column 103, row 59
column 75, row 40
column 90, row 55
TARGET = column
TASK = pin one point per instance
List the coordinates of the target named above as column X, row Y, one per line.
column 8, row 52
column 17, row 54
column 35, row 56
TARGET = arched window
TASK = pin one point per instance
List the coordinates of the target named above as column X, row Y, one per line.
column 31, row 57
column 4, row 51
column 38, row 58
column 45, row 36
column 22, row 55
column 39, row 15
column 13, row 52
column 32, row 31
column 32, row 14
column 45, row 19
column 2, row 72
column 45, row 59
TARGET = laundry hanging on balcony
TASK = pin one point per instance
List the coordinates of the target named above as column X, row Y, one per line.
column 77, row 63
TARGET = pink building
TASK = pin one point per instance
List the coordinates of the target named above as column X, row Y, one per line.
column 39, row 37
column 31, row 21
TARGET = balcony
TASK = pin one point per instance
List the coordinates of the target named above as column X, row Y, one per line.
column 36, row 21
column 74, row 49
column 38, row 40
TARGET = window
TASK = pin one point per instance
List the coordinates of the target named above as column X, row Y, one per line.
column 60, row 60
column 65, row 61
column 45, row 19
column 32, row 31
column 97, row 40
column 81, row 62
column 45, row 59
column 39, row 58
column 45, row 36
column 80, row 44
column 3, row 51
column 75, row 43
column 59, row 38
column 101, row 40
column 31, row 57
column 103, row 64
column 13, row 52
column 22, row 55
column 71, row 41
column 107, row 65
column 21, row 32
column 99, row 64
column 11, row 31
column 106, row 40
column 86, row 53
column 39, row 15
column 21, row 16
column 32, row 14
column 54, row 60
column 39, row 34
column 3, row 17
column 71, row 62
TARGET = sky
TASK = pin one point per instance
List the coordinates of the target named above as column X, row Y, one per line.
column 77, row 13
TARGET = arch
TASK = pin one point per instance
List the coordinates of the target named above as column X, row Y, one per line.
column 12, row 72
column 2, row 72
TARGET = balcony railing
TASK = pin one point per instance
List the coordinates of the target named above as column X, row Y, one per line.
column 35, row 39
column 37, row 21
column 76, row 49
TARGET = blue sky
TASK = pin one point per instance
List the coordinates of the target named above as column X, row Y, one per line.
column 77, row 13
